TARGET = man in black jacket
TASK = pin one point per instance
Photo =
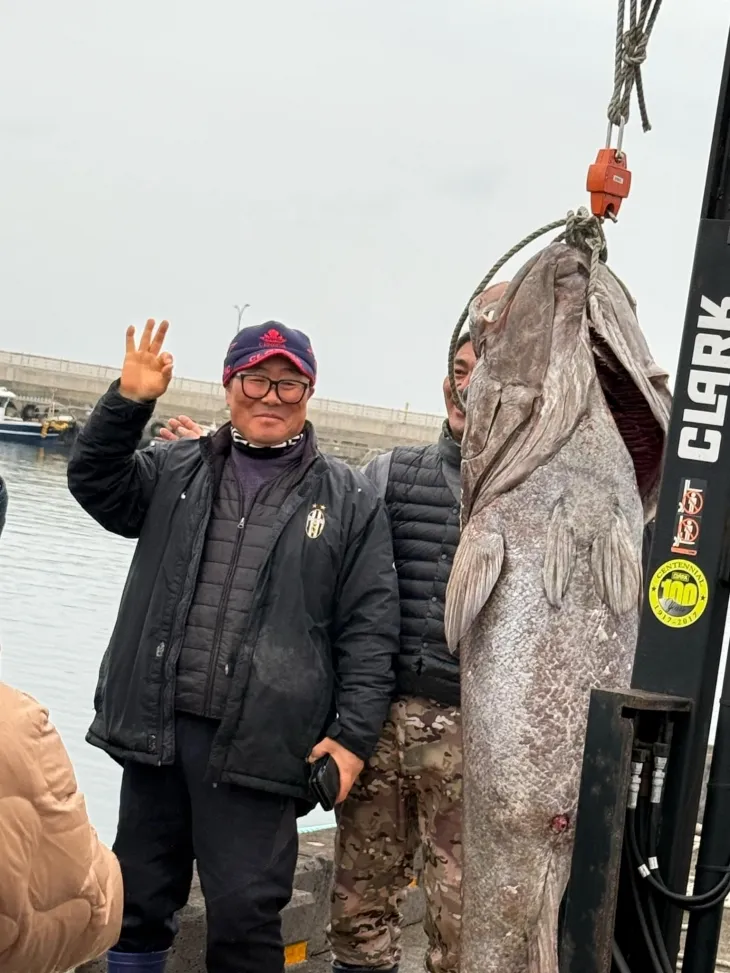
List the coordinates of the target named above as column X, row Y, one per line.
column 410, row 793
column 256, row 632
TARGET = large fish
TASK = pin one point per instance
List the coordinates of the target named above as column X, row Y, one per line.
column 566, row 420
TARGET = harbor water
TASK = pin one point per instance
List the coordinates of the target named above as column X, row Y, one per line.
column 62, row 577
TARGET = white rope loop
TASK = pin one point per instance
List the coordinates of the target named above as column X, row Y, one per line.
column 583, row 231
column 482, row 286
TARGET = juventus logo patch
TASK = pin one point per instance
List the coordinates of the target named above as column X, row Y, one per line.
column 315, row 521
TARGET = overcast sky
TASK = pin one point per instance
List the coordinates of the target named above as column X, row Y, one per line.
column 351, row 168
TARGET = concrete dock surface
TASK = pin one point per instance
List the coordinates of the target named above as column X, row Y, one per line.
column 304, row 921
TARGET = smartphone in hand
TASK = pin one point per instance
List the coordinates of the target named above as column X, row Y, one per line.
column 324, row 782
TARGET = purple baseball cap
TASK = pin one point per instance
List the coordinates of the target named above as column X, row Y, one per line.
column 254, row 345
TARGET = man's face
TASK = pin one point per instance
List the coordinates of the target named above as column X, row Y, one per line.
column 463, row 367
column 258, row 412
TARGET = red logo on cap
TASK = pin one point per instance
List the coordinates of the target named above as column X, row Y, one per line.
column 272, row 338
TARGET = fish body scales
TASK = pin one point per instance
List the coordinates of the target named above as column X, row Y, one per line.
column 527, row 671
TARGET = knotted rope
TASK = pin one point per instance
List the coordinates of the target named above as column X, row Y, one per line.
column 583, row 231
column 631, row 46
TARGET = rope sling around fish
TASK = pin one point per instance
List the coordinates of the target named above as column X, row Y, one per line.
column 609, row 180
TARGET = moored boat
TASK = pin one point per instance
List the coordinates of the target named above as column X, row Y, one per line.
column 47, row 431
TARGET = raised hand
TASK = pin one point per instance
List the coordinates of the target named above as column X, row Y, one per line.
column 181, row 428
column 147, row 370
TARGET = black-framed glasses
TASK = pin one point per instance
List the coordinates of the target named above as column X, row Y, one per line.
column 288, row 390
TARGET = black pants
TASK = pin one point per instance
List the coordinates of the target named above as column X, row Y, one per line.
column 245, row 845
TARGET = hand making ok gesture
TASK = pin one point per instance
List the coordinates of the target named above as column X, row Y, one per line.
column 147, row 370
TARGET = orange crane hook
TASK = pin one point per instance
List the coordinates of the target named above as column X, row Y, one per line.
column 609, row 178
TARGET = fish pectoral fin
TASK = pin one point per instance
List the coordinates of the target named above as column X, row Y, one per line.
column 559, row 555
column 616, row 566
column 477, row 566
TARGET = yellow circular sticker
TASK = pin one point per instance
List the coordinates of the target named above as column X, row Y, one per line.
column 678, row 593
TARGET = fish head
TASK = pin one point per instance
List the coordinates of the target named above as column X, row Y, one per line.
column 541, row 349
column 523, row 344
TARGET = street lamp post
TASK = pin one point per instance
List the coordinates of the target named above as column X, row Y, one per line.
column 240, row 311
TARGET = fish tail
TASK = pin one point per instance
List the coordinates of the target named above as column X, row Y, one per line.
column 559, row 555
column 616, row 565
column 542, row 947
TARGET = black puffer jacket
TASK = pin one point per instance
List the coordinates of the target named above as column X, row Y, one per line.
column 317, row 656
column 236, row 543
column 422, row 492
column 421, row 487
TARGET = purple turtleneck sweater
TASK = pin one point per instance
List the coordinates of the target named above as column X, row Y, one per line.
column 257, row 467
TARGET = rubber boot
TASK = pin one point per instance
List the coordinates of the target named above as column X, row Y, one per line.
column 136, row 962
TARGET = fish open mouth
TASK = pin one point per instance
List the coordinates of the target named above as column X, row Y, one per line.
column 635, row 421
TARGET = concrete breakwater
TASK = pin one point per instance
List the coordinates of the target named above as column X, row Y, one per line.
column 345, row 429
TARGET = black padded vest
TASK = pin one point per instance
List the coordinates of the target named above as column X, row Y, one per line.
column 424, row 515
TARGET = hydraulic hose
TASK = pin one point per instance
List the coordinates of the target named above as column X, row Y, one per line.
column 645, row 931
column 658, row 935
column 708, row 900
column 618, row 959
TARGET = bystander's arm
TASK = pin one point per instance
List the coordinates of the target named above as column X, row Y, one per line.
column 110, row 478
column 107, row 475
column 366, row 636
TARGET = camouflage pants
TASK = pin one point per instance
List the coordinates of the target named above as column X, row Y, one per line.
column 409, row 796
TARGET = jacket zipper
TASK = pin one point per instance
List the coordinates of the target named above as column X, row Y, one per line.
column 255, row 602
column 217, row 772
column 220, row 617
